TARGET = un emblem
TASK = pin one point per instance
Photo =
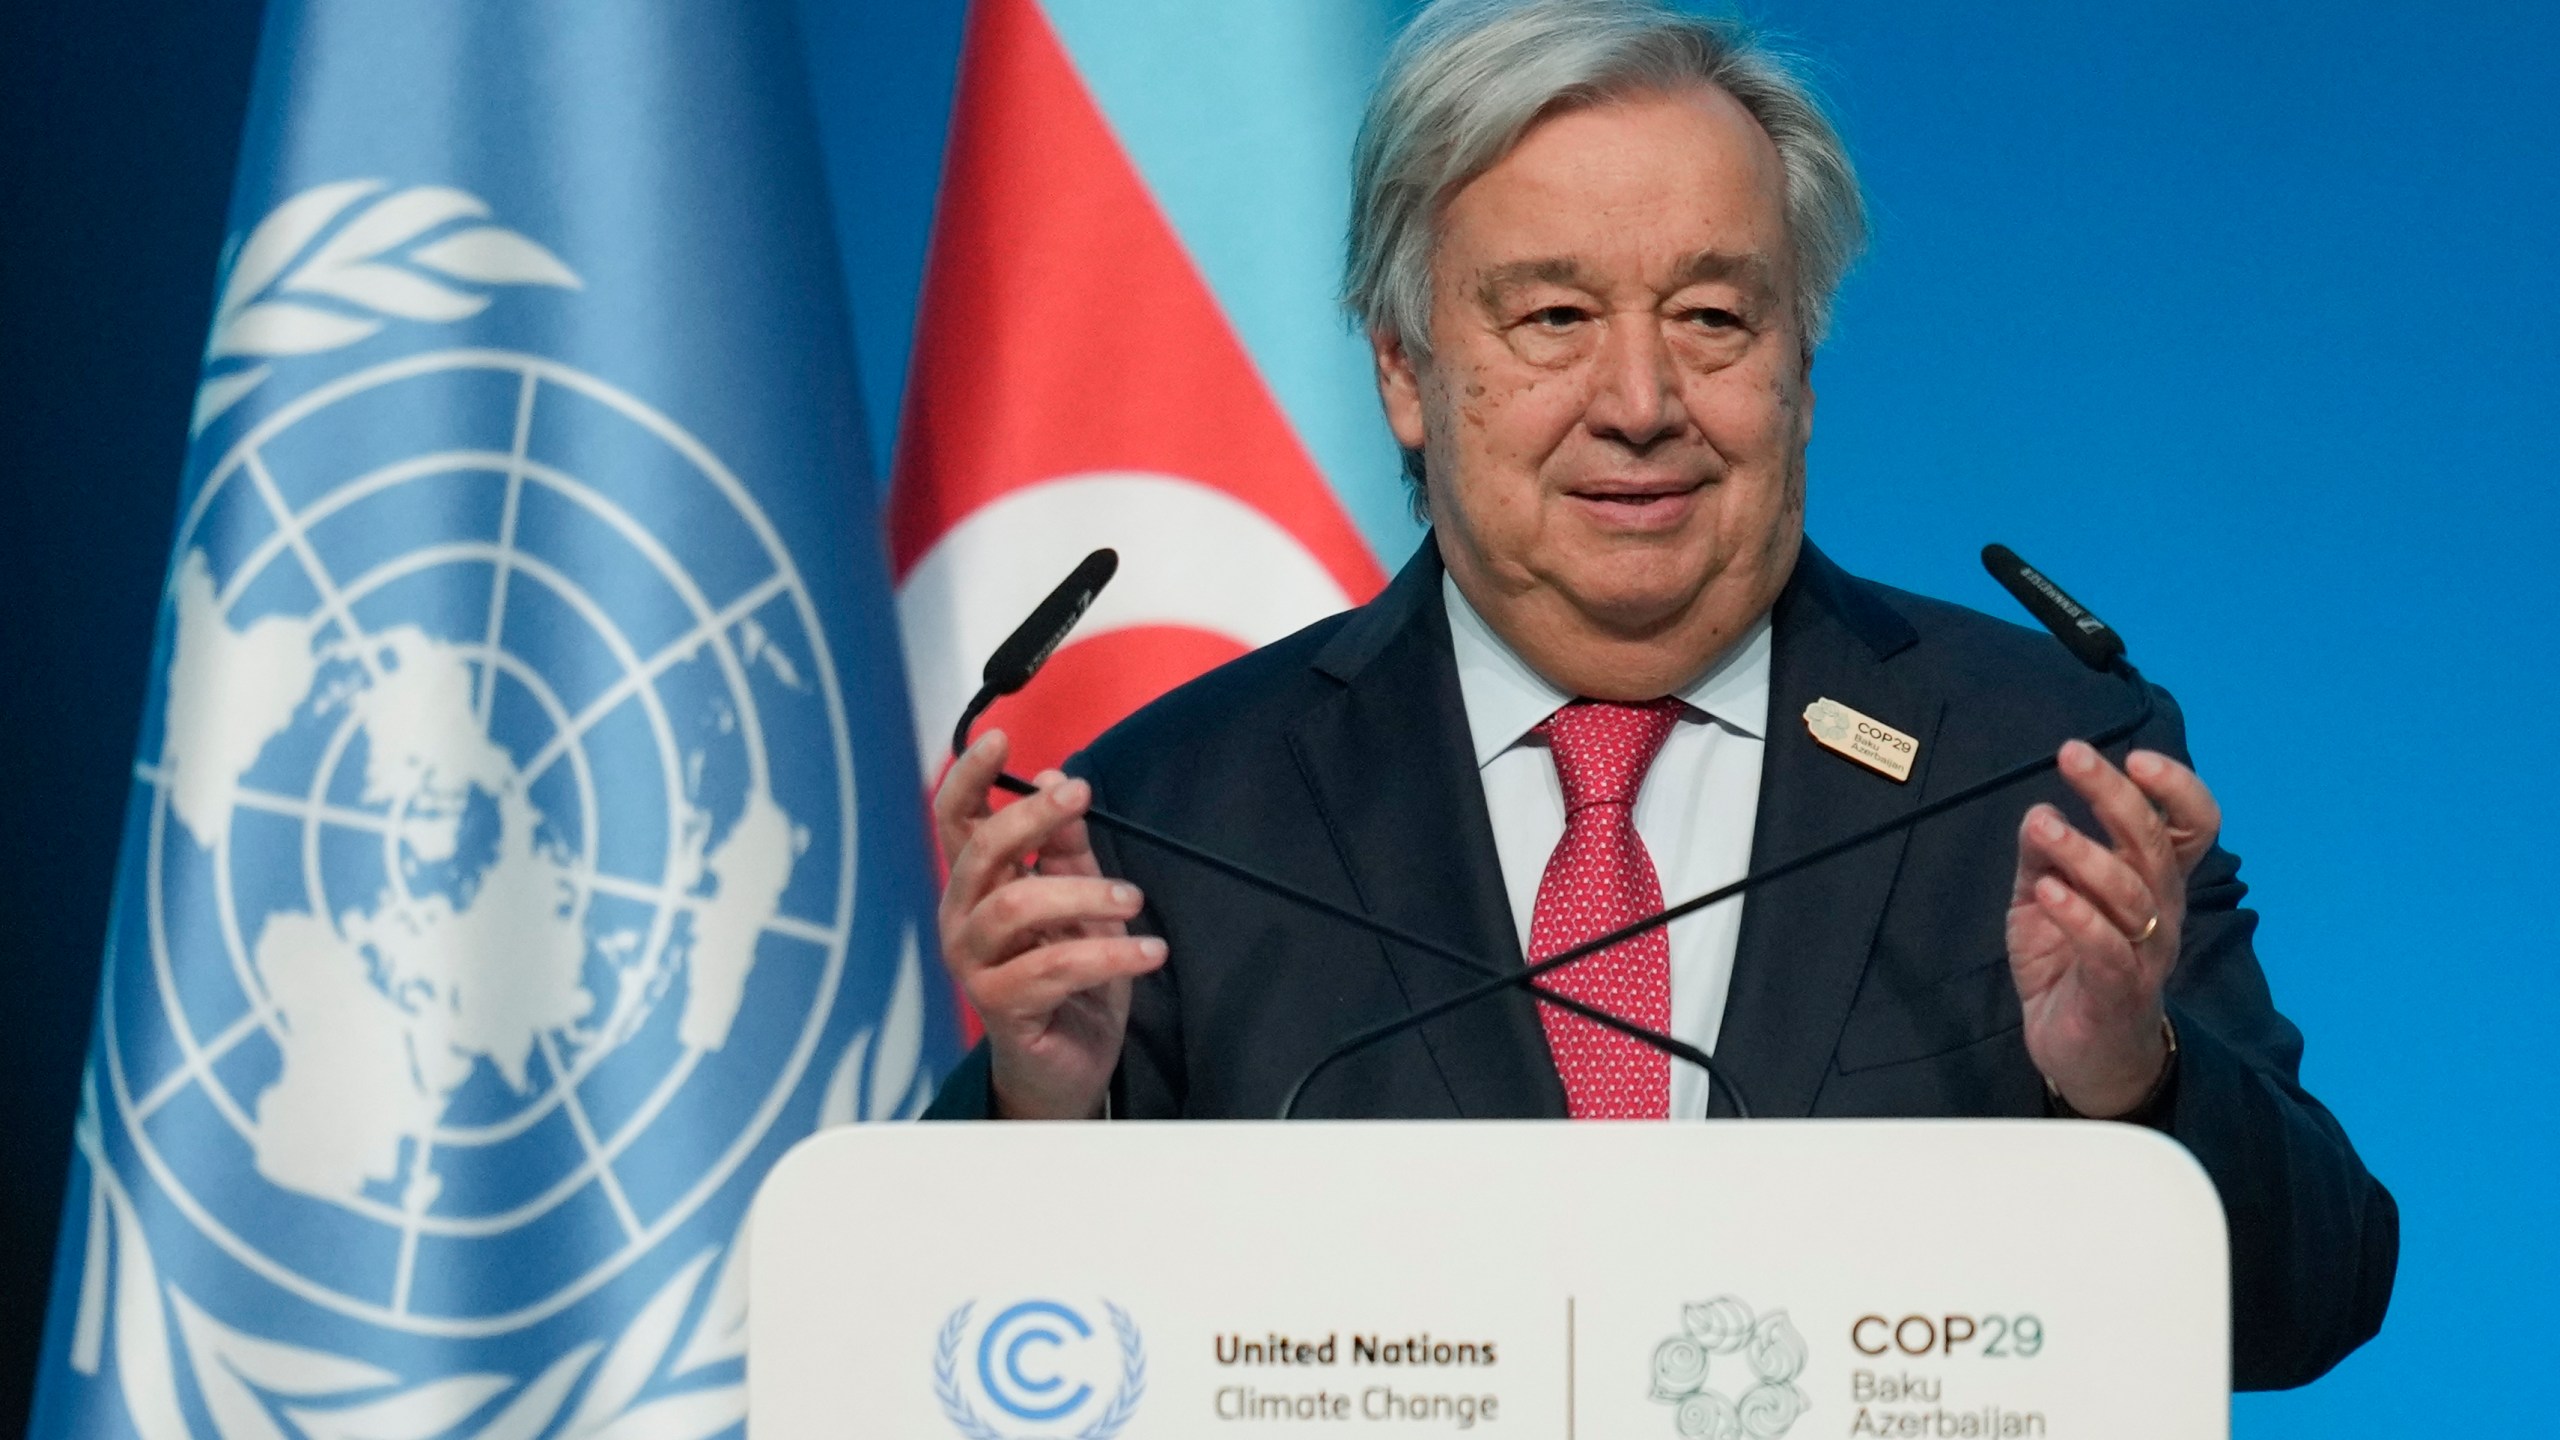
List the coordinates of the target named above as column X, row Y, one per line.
column 493, row 855
column 1044, row 1367
column 472, row 777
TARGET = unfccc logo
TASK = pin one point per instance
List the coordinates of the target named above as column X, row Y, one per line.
column 1043, row 1364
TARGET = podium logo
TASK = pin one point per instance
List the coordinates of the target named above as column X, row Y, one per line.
column 1043, row 1369
column 1730, row 1375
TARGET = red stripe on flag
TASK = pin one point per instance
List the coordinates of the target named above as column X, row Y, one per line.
column 1063, row 330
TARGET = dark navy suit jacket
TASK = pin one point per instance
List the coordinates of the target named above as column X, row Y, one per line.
column 1874, row 985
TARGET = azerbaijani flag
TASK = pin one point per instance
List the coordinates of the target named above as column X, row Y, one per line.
column 1127, row 337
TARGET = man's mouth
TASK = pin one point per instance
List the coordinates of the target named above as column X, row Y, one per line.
column 1639, row 504
column 1633, row 489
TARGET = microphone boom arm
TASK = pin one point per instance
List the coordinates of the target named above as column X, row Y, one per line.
column 2026, row 770
column 1385, row 930
column 1022, row 655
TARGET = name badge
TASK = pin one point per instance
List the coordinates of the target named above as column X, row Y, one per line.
column 1862, row 738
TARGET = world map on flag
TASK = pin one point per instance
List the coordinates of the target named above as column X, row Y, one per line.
column 472, row 951
column 466, row 848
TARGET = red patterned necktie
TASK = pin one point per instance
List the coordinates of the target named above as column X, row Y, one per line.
column 1600, row 878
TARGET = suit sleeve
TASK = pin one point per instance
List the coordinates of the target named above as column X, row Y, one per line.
column 967, row 1093
column 2315, row 1239
column 1148, row 1084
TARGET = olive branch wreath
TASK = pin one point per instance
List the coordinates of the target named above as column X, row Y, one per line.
column 398, row 258
column 246, row 1382
column 964, row 1416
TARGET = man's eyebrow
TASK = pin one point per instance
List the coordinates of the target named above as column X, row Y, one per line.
column 1552, row 270
column 1749, row 268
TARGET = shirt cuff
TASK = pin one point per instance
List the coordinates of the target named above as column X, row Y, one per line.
column 2155, row 1109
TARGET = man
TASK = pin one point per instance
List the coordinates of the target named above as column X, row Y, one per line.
column 1593, row 245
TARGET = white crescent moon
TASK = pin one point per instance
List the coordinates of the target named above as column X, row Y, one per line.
column 1190, row 555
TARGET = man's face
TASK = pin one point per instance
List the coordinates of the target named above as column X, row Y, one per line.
column 1615, row 406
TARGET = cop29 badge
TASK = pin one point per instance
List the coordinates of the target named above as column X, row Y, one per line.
column 1730, row 1374
column 1039, row 1368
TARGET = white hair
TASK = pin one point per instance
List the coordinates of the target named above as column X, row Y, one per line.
column 1469, row 77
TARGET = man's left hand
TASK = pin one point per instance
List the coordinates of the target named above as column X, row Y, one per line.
column 2094, row 929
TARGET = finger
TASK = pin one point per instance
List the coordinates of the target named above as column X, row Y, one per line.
column 2033, row 863
column 1069, row 848
column 2126, row 813
column 2193, row 817
column 2035, row 942
column 1022, row 915
column 1030, row 989
column 2107, row 959
column 999, row 842
column 960, row 801
column 2064, row 853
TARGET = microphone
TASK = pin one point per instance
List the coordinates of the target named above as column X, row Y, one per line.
column 1038, row 637
column 2087, row 637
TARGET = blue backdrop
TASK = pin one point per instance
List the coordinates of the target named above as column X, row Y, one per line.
column 2223, row 314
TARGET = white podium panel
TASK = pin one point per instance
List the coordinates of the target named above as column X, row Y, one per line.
column 1611, row 1281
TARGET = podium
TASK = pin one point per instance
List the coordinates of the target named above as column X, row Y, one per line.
column 1613, row 1281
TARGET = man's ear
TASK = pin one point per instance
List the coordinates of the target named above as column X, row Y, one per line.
column 1399, row 386
column 1804, row 406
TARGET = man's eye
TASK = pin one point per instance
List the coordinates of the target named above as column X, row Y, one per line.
column 1711, row 318
column 1556, row 317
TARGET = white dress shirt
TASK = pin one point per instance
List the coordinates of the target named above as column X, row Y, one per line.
column 1695, row 812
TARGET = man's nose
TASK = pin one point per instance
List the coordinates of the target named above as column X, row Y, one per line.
column 1635, row 397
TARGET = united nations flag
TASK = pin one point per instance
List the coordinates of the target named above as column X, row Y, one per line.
column 524, row 846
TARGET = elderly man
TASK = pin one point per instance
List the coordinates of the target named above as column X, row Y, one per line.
column 1593, row 245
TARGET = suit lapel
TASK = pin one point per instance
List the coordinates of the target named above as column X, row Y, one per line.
column 1392, row 768
column 1805, row 939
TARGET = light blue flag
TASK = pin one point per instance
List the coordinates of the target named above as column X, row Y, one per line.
column 525, row 845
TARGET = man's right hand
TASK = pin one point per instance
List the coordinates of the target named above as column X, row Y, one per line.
column 1043, row 949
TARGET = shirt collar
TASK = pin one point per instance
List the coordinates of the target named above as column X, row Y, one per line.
column 1505, row 699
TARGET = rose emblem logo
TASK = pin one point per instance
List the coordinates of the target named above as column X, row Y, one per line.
column 1828, row 722
column 1722, row 1349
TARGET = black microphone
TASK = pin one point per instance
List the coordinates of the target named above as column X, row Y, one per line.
column 2083, row 634
column 1038, row 637
column 2086, row 636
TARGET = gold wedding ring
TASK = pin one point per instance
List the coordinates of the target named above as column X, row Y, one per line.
column 2150, row 927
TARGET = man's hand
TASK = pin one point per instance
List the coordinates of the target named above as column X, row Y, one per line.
column 2094, row 929
column 1042, row 949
